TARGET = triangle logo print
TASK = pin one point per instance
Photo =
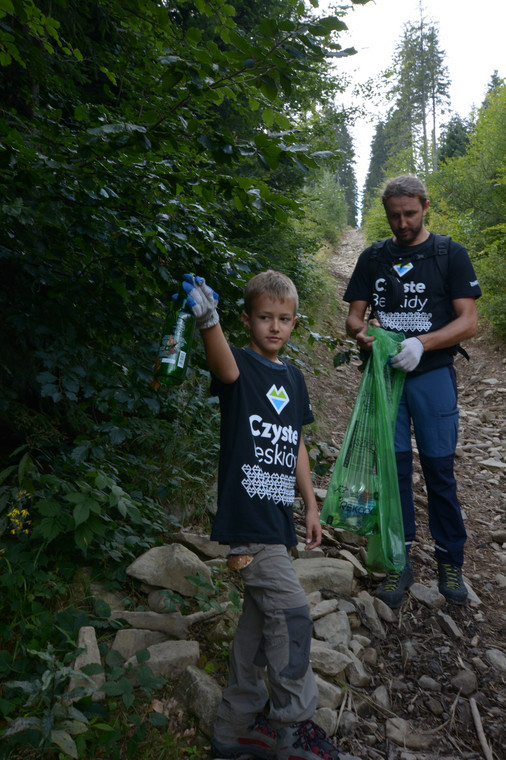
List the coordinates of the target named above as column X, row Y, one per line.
column 278, row 398
column 403, row 269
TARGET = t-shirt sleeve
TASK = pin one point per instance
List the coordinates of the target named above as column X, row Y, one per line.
column 359, row 286
column 307, row 413
column 463, row 282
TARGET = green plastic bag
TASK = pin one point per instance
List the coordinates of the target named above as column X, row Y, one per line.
column 363, row 493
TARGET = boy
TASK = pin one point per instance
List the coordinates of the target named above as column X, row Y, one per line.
column 264, row 403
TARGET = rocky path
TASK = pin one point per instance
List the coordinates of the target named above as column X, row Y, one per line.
column 433, row 663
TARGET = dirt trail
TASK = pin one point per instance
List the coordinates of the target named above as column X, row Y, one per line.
column 428, row 655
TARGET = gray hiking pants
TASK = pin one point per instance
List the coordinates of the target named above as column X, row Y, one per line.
column 274, row 636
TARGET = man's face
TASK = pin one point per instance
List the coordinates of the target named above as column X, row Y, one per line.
column 405, row 216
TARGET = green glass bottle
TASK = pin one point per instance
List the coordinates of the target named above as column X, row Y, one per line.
column 175, row 345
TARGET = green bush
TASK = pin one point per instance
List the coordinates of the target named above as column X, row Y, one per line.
column 374, row 224
column 491, row 270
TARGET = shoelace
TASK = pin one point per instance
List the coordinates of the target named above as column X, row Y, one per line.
column 452, row 576
column 262, row 726
column 392, row 580
column 310, row 735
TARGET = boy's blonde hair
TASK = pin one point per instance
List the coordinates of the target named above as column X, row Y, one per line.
column 274, row 284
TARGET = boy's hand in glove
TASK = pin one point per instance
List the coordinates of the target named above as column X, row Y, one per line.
column 409, row 356
column 202, row 300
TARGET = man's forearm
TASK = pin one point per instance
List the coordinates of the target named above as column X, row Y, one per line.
column 354, row 325
column 461, row 328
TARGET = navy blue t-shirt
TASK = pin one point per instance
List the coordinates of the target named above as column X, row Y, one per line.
column 426, row 304
column 262, row 414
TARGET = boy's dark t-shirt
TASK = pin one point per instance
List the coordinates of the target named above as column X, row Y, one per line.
column 262, row 414
column 427, row 302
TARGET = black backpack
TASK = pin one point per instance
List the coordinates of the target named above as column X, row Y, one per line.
column 394, row 285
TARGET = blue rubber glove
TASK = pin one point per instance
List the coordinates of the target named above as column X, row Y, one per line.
column 202, row 300
column 409, row 356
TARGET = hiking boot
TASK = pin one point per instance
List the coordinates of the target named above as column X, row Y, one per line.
column 305, row 741
column 391, row 591
column 258, row 739
column 450, row 583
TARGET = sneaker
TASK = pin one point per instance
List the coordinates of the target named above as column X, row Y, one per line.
column 305, row 741
column 450, row 583
column 259, row 739
column 391, row 591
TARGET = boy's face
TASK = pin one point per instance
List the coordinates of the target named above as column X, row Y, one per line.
column 270, row 324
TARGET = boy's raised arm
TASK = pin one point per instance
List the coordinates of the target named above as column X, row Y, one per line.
column 202, row 300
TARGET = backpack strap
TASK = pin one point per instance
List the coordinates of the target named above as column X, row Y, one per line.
column 375, row 263
column 441, row 247
column 376, row 248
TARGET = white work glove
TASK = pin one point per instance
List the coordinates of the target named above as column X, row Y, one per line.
column 202, row 300
column 409, row 356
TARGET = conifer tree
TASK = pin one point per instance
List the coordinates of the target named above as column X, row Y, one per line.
column 454, row 138
column 421, row 86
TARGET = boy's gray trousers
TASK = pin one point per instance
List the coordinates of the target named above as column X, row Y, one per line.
column 273, row 636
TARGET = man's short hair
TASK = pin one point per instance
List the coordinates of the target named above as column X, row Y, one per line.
column 406, row 184
column 276, row 285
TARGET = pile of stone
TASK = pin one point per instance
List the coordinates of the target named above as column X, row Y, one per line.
column 349, row 627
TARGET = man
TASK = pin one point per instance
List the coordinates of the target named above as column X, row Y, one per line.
column 418, row 285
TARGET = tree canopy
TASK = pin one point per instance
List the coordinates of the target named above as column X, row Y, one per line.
column 417, row 85
column 139, row 141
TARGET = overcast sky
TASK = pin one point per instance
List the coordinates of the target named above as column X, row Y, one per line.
column 471, row 33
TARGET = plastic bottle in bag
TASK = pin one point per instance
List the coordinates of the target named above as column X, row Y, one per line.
column 359, row 509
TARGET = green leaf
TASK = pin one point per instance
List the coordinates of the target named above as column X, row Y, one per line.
column 102, row 609
column 112, row 688
column 80, row 453
column 194, row 36
column 7, row 473
column 65, row 742
column 114, row 658
column 75, row 727
column 80, row 113
column 281, row 216
column 47, row 507
column 268, row 116
column 83, row 536
column 157, row 719
column 102, row 481
column 268, row 27
column 283, row 121
column 329, row 24
column 268, row 88
column 109, row 74
column 81, row 513
column 23, row 724
column 142, row 655
column 47, row 529
column 147, row 679
column 7, row 7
